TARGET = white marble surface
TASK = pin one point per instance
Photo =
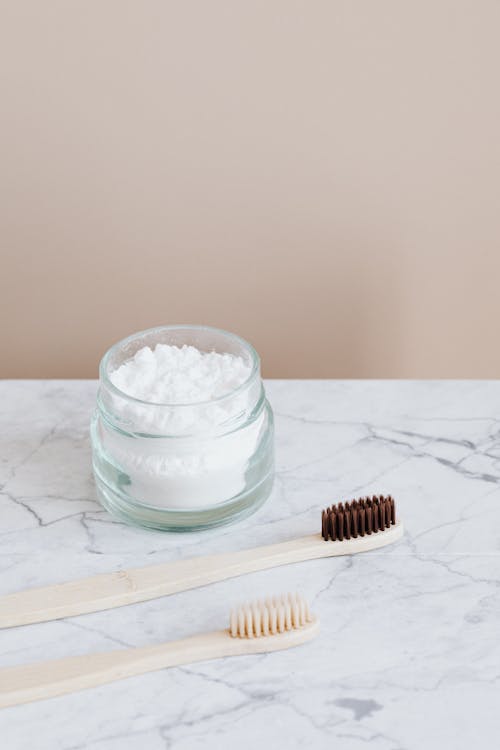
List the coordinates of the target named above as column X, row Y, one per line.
column 409, row 653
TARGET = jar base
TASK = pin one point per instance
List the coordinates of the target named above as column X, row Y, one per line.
column 195, row 519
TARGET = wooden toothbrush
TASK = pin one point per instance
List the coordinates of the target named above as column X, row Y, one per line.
column 259, row 627
column 346, row 528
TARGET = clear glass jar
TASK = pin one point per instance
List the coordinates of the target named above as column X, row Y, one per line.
column 181, row 467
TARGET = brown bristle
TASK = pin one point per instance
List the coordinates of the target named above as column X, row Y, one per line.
column 367, row 515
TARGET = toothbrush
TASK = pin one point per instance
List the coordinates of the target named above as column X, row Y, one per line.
column 358, row 526
column 259, row 627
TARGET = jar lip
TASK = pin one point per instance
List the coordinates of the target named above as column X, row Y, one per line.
column 104, row 377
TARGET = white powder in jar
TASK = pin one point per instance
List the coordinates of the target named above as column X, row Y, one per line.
column 179, row 375
column 198, row 456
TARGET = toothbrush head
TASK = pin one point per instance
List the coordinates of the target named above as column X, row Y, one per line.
column 270, row 617
column 360, row 517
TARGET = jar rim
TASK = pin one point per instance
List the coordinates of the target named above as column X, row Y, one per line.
column 104, row 376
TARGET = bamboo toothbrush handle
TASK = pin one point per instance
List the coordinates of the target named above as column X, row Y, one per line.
column 47, row 679
column 110, row 590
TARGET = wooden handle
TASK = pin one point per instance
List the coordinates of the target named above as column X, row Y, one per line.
column 47, row 679
column 110, row 590
column 32, row 682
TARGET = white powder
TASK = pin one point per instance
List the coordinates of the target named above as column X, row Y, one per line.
column 179, row 375
column 200, row 452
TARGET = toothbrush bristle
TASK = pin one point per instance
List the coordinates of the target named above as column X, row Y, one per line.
column 269, row 617
column 361, row 517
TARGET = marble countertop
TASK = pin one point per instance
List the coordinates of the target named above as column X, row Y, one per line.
column 408, row 657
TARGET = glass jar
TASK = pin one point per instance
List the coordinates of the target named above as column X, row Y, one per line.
column 181, row 467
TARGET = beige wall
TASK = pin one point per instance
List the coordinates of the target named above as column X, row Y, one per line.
column 321, row 177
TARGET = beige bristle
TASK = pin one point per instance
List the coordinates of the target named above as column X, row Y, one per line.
column 265, row 618
column 270, row 617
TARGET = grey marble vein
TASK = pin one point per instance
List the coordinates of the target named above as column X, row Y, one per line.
column 409, row 653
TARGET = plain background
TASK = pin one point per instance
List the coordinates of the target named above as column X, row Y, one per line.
column 322, row 177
